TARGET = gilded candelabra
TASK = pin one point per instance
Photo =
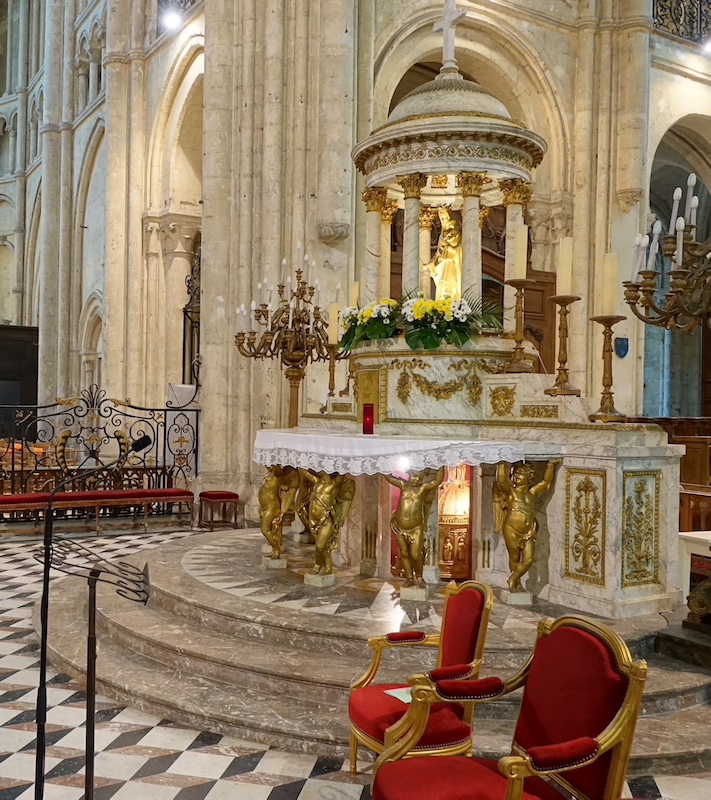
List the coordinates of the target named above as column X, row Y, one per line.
column 607, row 411
column 519, row 362
column 296, row 333
column 562, row 382
column 688, row 301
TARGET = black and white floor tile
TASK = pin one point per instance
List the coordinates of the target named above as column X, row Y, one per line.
column 141, row 756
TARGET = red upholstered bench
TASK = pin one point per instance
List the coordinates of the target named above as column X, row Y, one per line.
column 125, row 498
column 226, row 503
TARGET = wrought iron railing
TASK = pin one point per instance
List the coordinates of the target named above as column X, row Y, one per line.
column 689, row 19
column 46, row 444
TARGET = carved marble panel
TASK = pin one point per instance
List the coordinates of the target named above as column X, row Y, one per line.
column 585, row 513
column 640, row 528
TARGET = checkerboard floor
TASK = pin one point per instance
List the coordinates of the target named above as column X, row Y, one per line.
column 141, row 756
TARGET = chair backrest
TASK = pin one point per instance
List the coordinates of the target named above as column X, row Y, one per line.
column 581, row 676
column 464, row 622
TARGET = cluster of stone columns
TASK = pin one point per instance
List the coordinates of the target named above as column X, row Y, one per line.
column 418, row 222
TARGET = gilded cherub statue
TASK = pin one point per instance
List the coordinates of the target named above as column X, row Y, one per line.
column 330, row 502
column 514, row 515
column 446, row 267
column 409, row 521
column 271, row 514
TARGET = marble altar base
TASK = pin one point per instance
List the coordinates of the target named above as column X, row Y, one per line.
column 274, row 563
column 321, row 581
column 513, row 598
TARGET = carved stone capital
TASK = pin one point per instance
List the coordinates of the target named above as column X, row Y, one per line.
column 374, row 198
column 388, row 211
column 177, row 234
column 516, row 192
column 413, row 185
column 428, row 215
column 333, row 231
column 472, row 183
column 628, row 198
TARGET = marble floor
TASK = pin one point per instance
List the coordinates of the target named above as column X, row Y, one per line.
column 142, row 756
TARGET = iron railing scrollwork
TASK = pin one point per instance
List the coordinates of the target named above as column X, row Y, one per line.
column 51, row 442
column 688, row 19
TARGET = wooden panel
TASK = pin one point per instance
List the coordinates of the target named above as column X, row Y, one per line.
column 541, row 314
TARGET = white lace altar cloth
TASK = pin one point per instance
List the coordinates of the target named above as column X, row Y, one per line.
column 353, row 454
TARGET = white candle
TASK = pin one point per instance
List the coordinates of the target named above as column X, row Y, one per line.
column 564, row 276
column 317, row 293
column 610, row 280
column 306, row 269
column 690, row 183
column 679, row 242
column 353, row 293
column 253, row 315
column 675, row 210
column 635, row 256
column 333, row 323
column 239, row 320
column 521, row 253
column 643, row 245
column 694, row 210
column 284, row 270
column 269, row 316
column 338, row 293
column 656, row 232
column 291, row 312
column 259, row 293
column 244, row 318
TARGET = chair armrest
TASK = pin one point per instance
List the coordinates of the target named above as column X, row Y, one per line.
column 458, row 690
column 563, row 756
column 457, row 672
column 400, row 639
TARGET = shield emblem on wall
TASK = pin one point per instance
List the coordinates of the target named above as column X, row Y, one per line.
column 622, row 346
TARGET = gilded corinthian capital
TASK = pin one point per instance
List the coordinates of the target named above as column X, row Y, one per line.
column 413, row 185
column 388, row 211
column 428, row 215
column 374, row 199
column 472, row 183
column 516, row 192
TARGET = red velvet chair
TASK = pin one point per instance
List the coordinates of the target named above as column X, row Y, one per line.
column 377, row 720
column 582, row 697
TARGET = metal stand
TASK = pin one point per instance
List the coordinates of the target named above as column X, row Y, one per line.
column 519, row 362
column 132, row 583
column 562, row 382
column 607, row 411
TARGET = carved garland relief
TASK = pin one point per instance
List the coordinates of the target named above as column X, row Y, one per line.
column 469, row 382
column 640, row 528
column 585, row 493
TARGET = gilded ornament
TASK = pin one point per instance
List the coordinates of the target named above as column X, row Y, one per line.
column 270, row 511
column 341, row 408
column 540, row 412
column 699, row 603
column 587, row 546
column 328, row 507
column 516, row 192
column 388, row 211
column 439, row 181
column 412, row 185
column 446, row 267
column 514, row 514
column 502, row 400
column 409, row 520
column 640, row 529
column 428, row 215
column 374, row 199
column 472, row 183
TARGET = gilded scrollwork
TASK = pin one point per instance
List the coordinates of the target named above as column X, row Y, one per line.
column 640, row 528
column 540, row 412
column 585, row 525
column 469, row 381
column 502, row 400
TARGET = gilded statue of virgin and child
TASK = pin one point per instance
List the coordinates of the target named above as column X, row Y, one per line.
column 446, row 267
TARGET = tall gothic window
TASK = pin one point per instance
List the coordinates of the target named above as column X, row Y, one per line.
column 191, row 318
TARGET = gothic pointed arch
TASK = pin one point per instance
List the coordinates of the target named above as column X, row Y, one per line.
column 91, row 331
column 31, row 284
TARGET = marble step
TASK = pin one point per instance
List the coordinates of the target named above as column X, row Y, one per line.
column 669, row 744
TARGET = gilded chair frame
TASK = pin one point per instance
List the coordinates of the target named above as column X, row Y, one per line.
column 415, row 718
column 617, row 736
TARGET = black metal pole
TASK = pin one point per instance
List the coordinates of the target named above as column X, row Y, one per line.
column 91, row 688
column 41, row 713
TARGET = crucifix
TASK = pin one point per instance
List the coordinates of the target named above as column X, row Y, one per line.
column 447, row 25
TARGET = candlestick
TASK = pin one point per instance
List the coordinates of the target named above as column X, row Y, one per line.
column 607, row 411
column 519, row 362
column 690, row 183
column 521, row 253
column 610, row 277
column 562, row 384
column 564, row 276
column 675, row 210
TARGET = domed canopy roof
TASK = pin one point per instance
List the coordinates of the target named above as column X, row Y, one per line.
column 448, row 94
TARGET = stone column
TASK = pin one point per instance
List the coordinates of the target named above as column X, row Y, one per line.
column 428, row 215
column 370, row 275
column 517, row 194
column 177, row 236
column 387, row 214
column 20, row 315
column 12, row 133
column 472, row 184
column 412, row 186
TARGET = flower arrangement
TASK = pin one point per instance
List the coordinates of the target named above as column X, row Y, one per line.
column 425, row 323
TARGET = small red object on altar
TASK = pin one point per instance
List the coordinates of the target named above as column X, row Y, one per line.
column 368, row 417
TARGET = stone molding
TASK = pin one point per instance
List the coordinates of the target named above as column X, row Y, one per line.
column 333, row 231
column 628, row 198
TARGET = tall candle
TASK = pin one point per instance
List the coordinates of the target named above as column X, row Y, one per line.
column 284, row 270
column 635, row 256
column 253, row 315
column 675, row 210
column 694, row 210
column 353, row 293
column 641, row 253
column 521, row 253
column 338, row 293
column 259, row 292
column 656, row 232
column 610, row 280
column 690, row 183
column 564, row 276
column 333, row 323
column 679, row 242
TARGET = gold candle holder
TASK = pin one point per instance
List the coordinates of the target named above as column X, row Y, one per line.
column 607, row 411
column 519, row 362
column 562, row 382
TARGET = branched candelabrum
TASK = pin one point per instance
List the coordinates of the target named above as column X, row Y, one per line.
column 296, row 333
column 688, row 301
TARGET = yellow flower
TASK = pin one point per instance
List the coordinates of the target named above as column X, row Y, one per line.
column 365, row 315
column 387, row 301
